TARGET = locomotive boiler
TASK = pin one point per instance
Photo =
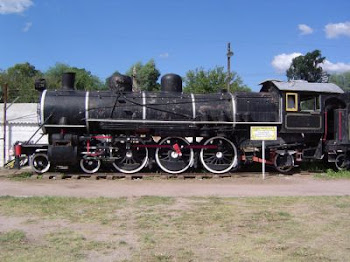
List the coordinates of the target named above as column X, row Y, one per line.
column 132, row 131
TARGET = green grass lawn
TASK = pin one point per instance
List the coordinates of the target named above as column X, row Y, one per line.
column 332, row 174
column 175, row 229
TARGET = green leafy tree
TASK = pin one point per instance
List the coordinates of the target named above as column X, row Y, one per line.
column 84, row 80
column 211, row 81
column 307, row 67
column 20, row 79
column 146, row 75
column 341, row 80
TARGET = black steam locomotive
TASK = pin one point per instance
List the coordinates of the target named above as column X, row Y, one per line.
column 132, row 131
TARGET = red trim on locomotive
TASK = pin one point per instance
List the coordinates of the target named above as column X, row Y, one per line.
column 325, row 126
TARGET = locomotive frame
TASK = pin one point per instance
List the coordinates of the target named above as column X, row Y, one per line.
column 177, row 131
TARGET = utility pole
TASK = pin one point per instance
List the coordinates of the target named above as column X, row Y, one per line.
column 4, row 122
column 229, row 54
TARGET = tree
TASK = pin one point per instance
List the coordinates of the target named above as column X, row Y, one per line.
column 307, row 67
column 211, row 81
column 342, row 80
column 146, row 75
column 84, row 80
column 21, row 79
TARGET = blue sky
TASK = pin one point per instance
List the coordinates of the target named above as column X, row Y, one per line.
column 103, row 36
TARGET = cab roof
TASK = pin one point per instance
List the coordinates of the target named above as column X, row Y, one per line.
column 300, row 85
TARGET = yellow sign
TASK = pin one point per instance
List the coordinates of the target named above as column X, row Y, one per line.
column 263, row 133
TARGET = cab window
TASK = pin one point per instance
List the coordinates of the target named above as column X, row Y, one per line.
column 291, row 102
column 309, row 102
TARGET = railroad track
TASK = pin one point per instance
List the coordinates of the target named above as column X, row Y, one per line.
column 117, row 176
column 121, row 176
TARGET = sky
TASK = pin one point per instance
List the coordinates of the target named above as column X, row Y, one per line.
column 104, row 36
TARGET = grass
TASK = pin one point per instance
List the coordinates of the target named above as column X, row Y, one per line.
column 76, row 243
column 21, row 176
column 12, row 237
column 331, row 174
column 176, row 229
column 316, row 167
column 88, row 210
column 63, row 245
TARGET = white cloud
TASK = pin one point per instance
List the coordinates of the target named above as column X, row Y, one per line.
column 164, row 55
column 305, row 29
column 283, row 61
column 27, row 26
column 335, row 30
column 335, row 67
column 14, row 6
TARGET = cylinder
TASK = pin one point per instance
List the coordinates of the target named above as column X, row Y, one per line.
column 171, row 83
column 68, row 80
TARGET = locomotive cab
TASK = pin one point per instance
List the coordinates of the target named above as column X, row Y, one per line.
column 312, row 114
column 303, row 104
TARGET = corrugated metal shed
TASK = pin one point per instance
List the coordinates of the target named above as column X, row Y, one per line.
column 21, row 113
column 299, row 85
column 22, row 122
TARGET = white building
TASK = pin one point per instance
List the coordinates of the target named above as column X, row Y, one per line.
column 22, row 123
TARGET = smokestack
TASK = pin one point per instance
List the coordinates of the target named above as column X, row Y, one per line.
column 68, row 80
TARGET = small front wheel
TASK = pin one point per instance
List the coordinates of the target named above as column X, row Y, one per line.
column 341, row 162
column 90, row 166
column 284, row 163
column 40, row 163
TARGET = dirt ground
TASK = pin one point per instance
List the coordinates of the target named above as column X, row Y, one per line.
column 154, row 219
column 245, row 186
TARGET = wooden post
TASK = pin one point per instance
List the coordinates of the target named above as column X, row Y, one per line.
column 5, row 122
